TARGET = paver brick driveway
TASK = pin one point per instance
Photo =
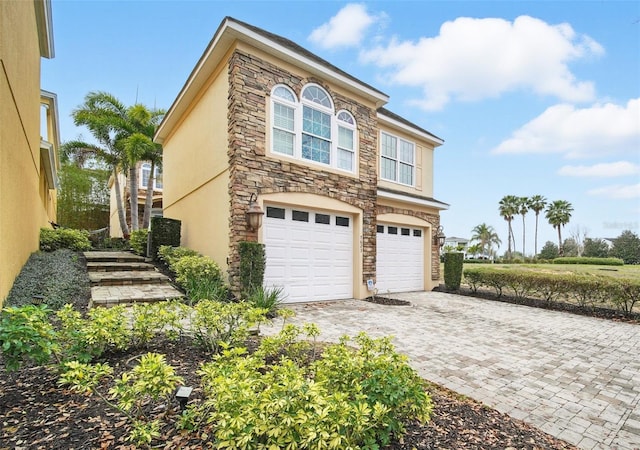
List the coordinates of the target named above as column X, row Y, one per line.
column 575, row 377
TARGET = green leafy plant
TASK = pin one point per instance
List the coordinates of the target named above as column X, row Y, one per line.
column 201, row 278
column 138, row 241
column 266, row 298
column 453, row 262
column 76, row 240
column 171, row 255
column 26, row 336
column 252, row 265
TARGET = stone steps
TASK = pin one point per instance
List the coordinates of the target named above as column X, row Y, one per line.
column 124, row 278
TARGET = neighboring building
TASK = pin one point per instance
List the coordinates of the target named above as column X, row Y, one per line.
column 346, row 185
column 457, row 243
column 29, row 137
column 144, row 171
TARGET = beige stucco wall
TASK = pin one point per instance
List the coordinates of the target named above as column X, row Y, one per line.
column 196, row 175
column 26, row 204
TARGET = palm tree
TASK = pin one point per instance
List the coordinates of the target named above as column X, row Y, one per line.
column 486, row 237
column 139, row 146
column 523, row 208
column 558, row 214
column 537, row 203
column 106, row 118
column 508, row 208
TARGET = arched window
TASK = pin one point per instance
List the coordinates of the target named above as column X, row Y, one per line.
column 310, row 129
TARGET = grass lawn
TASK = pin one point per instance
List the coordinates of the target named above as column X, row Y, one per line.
column 632, row 272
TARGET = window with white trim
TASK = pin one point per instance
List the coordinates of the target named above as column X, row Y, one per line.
column 145, row 171
column 397, row 159
column 311, row 130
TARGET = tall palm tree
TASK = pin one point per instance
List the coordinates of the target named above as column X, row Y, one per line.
column 537, row 203
column 558, row 214
column 106, row 118
column 523, row 208
column 486, row 237
column 508, row 209
column 139, row 146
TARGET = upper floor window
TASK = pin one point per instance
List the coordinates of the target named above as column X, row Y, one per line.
column 145, row 170
column 397, row 159
column 311, row 130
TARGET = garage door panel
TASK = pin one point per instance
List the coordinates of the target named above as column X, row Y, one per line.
column 311, row 261
column 400, row 259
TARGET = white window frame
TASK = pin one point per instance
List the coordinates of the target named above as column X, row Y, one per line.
column 157, row 171
column 298, row 106
column 398, row 160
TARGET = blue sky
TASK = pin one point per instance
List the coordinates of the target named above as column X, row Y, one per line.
column 530, row 97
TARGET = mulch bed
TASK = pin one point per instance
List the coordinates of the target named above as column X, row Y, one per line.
column 36, row 413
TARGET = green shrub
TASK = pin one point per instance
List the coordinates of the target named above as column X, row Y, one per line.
column 200, row 277
column 266, row 298
column 164, row 231
column 453, row 262
column 57, row 276
column 217, row 325
column 349, row 399
column 76, row 240
column 625, row 294
column 593, row 261
column 138, row 241
column 252, row 265
column 26, row 336
column 171, row 255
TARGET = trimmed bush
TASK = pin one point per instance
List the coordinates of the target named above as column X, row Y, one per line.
column 200, row 277
column 164, row 231
column 171, row 255
column 76, row 240
column 252, row 265
column 138, row 241
column 453, row 262
column 593, row 261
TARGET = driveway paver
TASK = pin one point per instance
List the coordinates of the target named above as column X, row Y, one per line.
column 575, row 377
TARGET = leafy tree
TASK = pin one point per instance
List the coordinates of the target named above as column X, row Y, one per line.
column 549, row 251
column 595, row 248
column 558, row 214
column 523, row 208
column 83, row 198
column 626, row 247
column 509, row 208
column 486, row 237
column 537, row 203
column 474, row 250
column 570, row 247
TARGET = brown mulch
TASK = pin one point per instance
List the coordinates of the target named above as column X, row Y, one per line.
column 36, row 413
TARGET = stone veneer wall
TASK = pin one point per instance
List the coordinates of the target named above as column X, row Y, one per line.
column 250, row 82
column 433, row 219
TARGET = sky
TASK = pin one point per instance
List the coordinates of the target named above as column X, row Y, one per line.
column 530, row 98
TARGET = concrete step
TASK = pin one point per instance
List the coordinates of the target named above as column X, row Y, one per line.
column 112, row 257
column 109, row 266
column 127, row 278
column 107, row 296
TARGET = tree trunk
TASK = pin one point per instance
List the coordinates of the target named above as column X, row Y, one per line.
column 133, row 197
column 121, row 216
column 535, row 240
column 560, row 248
column 148, row 201
column 523, row 238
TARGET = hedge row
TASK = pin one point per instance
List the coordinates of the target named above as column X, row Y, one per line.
column 586, row 290
column 586, row 260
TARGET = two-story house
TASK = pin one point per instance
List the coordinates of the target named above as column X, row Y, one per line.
column 346, row 185
column 29, row 136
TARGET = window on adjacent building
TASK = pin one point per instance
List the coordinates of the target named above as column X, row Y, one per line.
column 397, row 159
column 145, row 171
column 311, row 130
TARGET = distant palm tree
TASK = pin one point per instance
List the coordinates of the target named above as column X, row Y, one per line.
column 486, row 237
column 537, row 203
column 558, row 214
column 523, row 208
column 508, row 209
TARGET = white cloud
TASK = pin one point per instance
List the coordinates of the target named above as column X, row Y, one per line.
column 472, row 59
column 602, row 129
column 345, row 29
column 617, row 191
column 604, row 170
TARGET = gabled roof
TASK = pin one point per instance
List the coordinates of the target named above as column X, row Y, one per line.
column 386, row 115
column 228, row 33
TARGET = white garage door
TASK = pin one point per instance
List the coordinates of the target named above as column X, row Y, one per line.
column 309, row 254
column 400, row 259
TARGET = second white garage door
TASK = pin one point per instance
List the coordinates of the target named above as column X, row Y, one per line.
column 308, row 253
column 400, row 259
